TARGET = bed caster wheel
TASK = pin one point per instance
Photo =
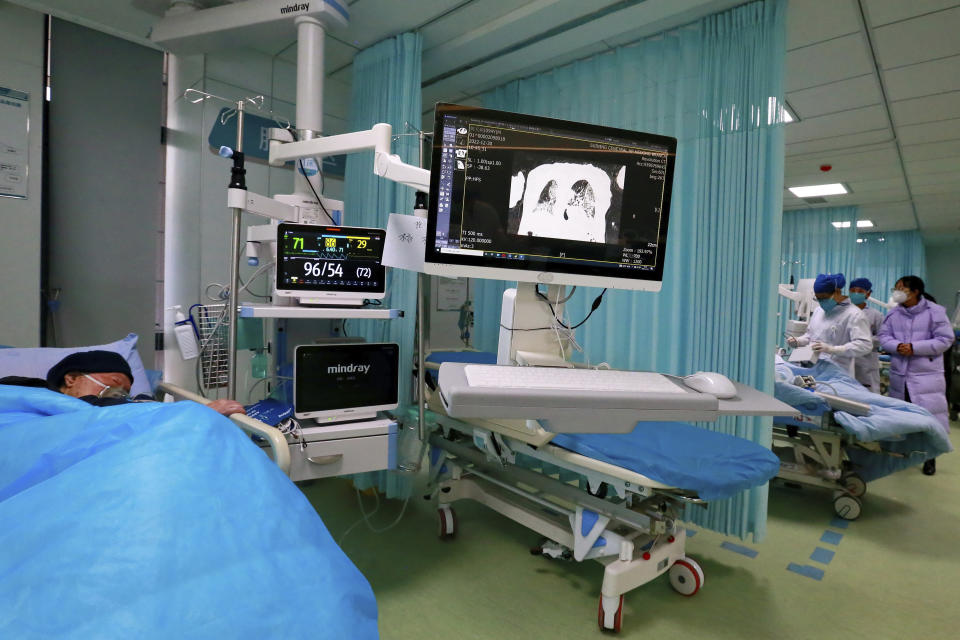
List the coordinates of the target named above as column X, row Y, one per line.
column 446, row 523
column 855, row 485
column 847, row 506
column 610, row 613
column 686, row 577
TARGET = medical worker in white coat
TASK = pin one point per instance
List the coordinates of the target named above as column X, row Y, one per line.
column 867, row 368
column 838, row 330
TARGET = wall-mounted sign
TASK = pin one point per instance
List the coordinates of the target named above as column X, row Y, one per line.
column 14, row 142
column 256, row 140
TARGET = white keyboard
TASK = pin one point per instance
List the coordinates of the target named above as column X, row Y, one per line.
column 492, row 376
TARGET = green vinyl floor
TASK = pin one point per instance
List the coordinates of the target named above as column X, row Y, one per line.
column 894, row 572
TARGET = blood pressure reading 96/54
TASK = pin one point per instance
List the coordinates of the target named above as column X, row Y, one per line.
column 341, row 258
column 333, row 270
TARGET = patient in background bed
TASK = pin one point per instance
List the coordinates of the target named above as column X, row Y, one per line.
column 101, row 378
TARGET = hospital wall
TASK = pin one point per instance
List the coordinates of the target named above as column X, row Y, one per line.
column 943, row 272
column 197, row 220
column 21, row 68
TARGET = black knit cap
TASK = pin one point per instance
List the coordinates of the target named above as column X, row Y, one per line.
column 88, row 362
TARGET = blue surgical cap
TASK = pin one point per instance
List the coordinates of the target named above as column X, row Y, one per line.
column 829, row 282
column 861, row 283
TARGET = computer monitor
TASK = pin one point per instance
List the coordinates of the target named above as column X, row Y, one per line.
column 533, row 199
column 330, row 265
column 340, row 382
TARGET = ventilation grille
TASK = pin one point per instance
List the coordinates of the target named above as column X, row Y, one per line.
column 816, row 200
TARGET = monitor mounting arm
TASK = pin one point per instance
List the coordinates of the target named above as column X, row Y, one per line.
column 385, row 164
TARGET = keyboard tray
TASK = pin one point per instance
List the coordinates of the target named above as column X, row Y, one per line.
column 571, row 411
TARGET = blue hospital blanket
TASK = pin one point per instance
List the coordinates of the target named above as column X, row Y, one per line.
column 158, row 520
column 715, row 465
column 900, row 427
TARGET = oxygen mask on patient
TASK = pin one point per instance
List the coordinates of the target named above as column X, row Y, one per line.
column 109, row 391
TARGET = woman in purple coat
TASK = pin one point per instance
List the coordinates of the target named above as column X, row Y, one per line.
column 916, row 333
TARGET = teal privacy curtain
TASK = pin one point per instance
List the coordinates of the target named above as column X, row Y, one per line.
column 715, row 85
column 811, row 245
column 386, row 88
column 886, row 257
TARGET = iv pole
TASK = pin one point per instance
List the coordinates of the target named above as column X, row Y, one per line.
column 237, row 181
column 421, row 311
column 309, row 142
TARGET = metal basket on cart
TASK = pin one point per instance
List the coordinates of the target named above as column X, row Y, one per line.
column 213, row 325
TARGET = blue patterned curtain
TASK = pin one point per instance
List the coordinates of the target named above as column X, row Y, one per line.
column 386, row 88
column 715, row 85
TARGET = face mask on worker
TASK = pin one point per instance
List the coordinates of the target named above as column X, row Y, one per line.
column 858, row 298
column 827, row 304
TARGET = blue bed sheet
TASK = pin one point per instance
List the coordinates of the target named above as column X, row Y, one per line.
column 158, row 520
column 904, row 429
column 715, row 465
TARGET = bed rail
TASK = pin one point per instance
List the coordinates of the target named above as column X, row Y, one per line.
column 278, row 443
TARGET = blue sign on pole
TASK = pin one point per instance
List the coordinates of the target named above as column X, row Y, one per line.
column 256, row 140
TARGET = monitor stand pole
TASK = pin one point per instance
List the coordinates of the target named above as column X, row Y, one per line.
column 529, row 331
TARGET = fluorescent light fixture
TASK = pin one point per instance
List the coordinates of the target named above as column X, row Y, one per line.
column 859, row 240
column 845, row 224
column 814, row 190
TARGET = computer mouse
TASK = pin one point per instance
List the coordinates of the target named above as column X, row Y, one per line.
column 715, row 384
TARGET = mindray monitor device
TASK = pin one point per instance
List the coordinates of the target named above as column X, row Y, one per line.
column 340, row 382
column 328, row 265
column 519, row 197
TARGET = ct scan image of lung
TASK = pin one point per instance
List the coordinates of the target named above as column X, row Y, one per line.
column 567, row 201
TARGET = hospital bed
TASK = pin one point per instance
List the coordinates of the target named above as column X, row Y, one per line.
column 825, row 446
column 159, row 520
column 618, row 499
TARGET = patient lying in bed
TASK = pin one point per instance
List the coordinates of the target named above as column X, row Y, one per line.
column 101, row 378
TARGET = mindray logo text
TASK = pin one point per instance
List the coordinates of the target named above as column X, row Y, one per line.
column 294, row 8
column 348, row 368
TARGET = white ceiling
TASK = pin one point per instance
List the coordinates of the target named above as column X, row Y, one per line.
column 875, row 83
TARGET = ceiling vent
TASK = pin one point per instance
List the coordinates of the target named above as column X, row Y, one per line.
column 815, row 200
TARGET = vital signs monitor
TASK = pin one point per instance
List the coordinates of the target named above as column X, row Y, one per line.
column 330, row 265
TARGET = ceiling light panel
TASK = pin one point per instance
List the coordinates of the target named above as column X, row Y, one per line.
column 811, row 191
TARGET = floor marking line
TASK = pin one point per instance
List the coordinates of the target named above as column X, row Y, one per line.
column 831, row 537
column 821, row 555
column 806, row 570
column 736, row 548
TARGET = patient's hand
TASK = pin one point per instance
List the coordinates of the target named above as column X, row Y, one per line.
column 226, row 407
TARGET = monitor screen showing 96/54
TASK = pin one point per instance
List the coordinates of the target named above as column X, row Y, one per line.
column 325, row 258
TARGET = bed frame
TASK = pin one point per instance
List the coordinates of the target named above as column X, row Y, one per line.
column 620, row 518
column 279, row 449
